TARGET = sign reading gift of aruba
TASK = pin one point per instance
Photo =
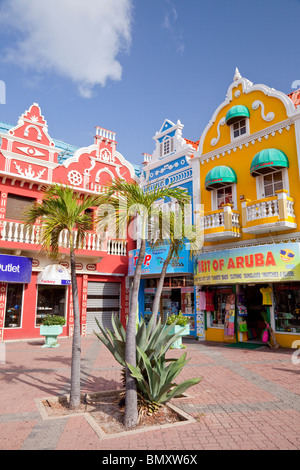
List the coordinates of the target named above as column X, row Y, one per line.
column 15, row 269
column 264, row 263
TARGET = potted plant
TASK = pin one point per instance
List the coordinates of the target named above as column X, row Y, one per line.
column 51, row 327
column 181, row 325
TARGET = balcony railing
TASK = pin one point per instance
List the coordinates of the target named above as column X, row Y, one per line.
column 269, row 214
column 17, row 232
column 220, row 224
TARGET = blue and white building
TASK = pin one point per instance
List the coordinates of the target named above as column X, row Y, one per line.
column 170, row 163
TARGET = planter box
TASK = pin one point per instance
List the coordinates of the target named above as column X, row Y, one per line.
column 184, row 330
column 51, row 333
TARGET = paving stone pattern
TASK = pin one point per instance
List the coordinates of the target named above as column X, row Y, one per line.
column 246, row 400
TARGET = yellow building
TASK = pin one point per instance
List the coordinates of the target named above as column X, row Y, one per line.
column 246, row 180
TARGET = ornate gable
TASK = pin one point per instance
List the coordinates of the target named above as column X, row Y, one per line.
column 169, row 141
column 92, row 167
column 27, row 149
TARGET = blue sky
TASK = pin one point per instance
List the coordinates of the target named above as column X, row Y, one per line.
column 126, row 65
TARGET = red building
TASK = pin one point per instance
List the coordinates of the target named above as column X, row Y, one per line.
column 29, row 159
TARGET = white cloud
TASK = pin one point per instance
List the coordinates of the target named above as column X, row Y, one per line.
column 77, row 39
column 169, row 23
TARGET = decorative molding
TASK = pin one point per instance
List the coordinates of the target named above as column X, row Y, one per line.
column 20, row 140
column 29, row 172
column 245, row 141
column 215, row 140
column 104, row 170
column 248, row 87
column 168, row 166
column 269, row 117
column 75, row 178
column 293, row 237
column 182, row 176
column 32, row 160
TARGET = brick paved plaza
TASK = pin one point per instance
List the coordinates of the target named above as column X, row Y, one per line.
column 248, row 399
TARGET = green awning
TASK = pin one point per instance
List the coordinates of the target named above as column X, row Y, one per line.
column 219, row 176
column 268, row 160
column 235, row 112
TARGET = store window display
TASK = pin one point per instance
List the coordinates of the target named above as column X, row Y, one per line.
column 14, row 302
column 51, row 301
column 287, row 307
column 216, row 302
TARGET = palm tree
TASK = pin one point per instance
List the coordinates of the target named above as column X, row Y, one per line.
column 64, row 209
column 175, row 244
column 129, row 202
column 176, row 233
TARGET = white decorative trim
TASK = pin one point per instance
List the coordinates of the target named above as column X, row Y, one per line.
column 247, row 87
column 166, row 167
column 20, row 140
column 34, row 161
column 29, row 172
column 246, row 140
column 215, row 140
column 269, row 117
column 103, row 170
column 184, row 152
column 293, row 237
column 74, row 178
column 77, row 154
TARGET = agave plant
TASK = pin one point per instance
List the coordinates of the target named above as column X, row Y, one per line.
column 154, row 373
column 153, row 341
column 158, row 386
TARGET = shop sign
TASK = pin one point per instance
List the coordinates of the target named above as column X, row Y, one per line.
column 265, row 263
column 15, row 269
column 154, row 260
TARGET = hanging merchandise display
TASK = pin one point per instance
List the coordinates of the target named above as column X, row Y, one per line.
column 200, row 307
column 242, row 310
column 210, row 306
column 265, row 335
column 266, row 293
column 202, row 299
column 243, row 326
column 229, row 318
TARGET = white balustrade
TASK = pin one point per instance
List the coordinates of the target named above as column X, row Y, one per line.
column 290, row 208
column 17, row 232
column 262, row 209
column 212, row 220
column 117, row 247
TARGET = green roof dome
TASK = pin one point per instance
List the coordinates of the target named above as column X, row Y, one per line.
column 267, row 160
column 238, row 111
column 219, row 176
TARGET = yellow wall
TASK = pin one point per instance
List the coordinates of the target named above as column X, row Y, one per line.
column 240, row 159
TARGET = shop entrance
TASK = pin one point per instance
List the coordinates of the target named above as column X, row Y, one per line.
column 103, row 301
column 255, row 312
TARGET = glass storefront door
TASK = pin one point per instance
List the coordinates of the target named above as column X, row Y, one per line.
column 51, row 300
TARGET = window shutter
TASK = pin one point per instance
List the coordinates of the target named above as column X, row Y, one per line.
column 16, row 205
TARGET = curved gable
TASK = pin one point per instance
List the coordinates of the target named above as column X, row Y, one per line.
column 266, row 106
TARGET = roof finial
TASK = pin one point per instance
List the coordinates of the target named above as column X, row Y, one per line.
column 237, row 75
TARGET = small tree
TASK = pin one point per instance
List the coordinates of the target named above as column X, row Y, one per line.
column 176, row 233
column 128, row 201
column 64, row 209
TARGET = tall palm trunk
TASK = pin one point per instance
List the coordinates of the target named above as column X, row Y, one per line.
column 76, row 344
column 131, row 410
column 158, row 292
